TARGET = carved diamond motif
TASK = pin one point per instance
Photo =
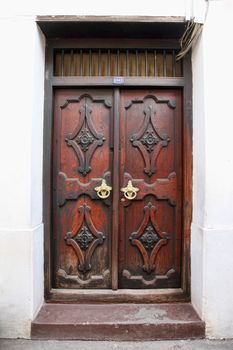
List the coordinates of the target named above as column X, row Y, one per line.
column 84, row 237
column 149, row 238
column 84, row 139
column 149, row 140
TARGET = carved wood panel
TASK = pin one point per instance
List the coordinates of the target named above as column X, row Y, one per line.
column 150, row 224
column 81, row 220
column 150, row 232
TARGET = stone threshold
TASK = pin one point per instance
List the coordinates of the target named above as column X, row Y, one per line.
column 119, row 322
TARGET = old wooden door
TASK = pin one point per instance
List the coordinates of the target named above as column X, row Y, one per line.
column 117, row 184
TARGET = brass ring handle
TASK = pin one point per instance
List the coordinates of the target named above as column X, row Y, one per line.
column 130, row 192
column 103, row 191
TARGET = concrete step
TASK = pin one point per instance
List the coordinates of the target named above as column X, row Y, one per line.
column 117, row 322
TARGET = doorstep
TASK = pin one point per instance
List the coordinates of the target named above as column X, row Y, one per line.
column 117, row 322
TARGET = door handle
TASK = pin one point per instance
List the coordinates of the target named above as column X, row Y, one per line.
column 103, row 191
column 130, row 192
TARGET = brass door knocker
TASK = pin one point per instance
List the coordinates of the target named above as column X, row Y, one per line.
column 103, row 191
column 130, row 192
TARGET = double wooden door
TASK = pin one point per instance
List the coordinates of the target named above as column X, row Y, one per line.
column 117, row 188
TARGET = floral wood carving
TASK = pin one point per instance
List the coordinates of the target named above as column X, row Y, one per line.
column 85, row 139
column 149, row 238
column 84, row 239
column 148, row 139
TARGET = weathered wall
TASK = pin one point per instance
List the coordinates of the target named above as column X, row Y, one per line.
column 21, row 228
column 212, row 229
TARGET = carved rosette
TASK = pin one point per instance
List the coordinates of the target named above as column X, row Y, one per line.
column 148, row 139
column 84, row 239
column 149, row 238
column 84, row 140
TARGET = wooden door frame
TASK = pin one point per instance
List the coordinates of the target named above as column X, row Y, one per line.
column 51, row 83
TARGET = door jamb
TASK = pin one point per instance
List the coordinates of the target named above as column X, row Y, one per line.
column 152, row 296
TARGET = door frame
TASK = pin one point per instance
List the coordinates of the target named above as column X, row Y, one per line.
column 51, row 83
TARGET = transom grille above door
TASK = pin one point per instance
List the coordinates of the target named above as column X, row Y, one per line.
column 117, row 62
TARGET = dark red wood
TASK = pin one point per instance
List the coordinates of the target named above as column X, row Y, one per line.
column 95, row 244
column 115, row 204
column 152, row 296
column 81, row 220
column 120, row 43
column 151, row 156
column 109, row 81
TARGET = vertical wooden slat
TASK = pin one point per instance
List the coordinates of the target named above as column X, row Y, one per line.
column 115, row 192
column 132, row 64
column 137, row 68
column 173, row 63
column 109, row 63
column 94, row 65
column 169, row 64
column 104, row 63
column 57, row 63
column 112, row 61
column 164, row 64
column 72, row 62
column 90, row 63
column 66, row 63
column 127, row 62
column 81, row 63
column 118, row 61
column 146, row 63
column 99, row 64
column 155, row 64
column 76, row 63
column 62, row 63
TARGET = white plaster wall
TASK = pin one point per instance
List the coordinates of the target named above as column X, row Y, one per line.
column 21, row 228
column 212, row 228
column 92, row 7
column 199, row 169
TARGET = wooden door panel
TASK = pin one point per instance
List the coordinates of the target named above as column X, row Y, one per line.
column 150, row 236
column 150, row 224
column 82, row 158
